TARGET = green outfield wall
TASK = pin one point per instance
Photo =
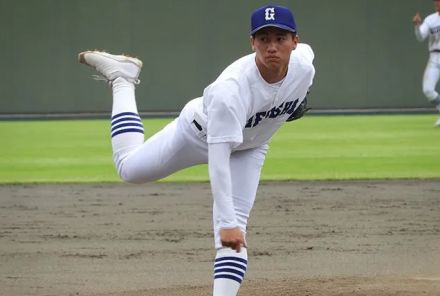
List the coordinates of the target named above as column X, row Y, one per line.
column 366, row 52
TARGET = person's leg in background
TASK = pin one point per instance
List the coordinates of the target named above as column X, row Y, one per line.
column 430, row 80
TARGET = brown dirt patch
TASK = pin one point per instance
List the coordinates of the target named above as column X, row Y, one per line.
column 305, row 238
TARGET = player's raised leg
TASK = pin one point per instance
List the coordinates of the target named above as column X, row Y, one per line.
column 229, row 266
column 121, row 72
column 137, row 161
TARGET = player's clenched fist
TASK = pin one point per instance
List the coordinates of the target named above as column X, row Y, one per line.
column 417, row 19
column 232, row 238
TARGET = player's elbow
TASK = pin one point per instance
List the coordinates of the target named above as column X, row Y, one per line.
column 419, row 35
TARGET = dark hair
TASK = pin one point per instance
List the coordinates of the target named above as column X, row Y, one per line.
column 292, row 33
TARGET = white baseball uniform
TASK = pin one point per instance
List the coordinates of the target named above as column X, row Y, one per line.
column 231, row 124
column 229, row 128
column 431, row 27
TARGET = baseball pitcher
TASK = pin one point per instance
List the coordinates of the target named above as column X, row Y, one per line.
column 229, row 127
column 430, row 28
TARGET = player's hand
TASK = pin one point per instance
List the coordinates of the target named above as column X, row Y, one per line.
column 232, row 238
column 417, row 19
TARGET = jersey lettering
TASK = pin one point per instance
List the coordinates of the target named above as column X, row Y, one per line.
column 435, row 30
column 287, row 107
column 275, row 112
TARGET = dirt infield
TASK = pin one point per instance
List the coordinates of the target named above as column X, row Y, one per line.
column 305, row 238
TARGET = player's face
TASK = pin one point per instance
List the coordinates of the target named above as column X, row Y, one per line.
column 273, row 47
column 437, row 5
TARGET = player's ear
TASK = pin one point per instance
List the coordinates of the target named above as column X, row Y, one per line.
column 252, row 40
column 295, row 39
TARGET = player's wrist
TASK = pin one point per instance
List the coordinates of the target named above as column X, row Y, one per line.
column 228, row 226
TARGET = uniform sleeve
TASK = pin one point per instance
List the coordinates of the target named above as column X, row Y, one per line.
column 304, row 51
column 226, row 114
column 221, row 183
column 422, row 31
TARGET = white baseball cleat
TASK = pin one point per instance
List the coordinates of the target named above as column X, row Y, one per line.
column 437, row 123
column 111, row 66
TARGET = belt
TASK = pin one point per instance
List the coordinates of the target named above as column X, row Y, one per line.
column 197, row 125
column 435, row 50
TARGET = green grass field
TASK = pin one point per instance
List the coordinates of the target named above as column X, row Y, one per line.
column 313, row 148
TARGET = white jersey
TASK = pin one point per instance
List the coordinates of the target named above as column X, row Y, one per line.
column 430, row 27
column 240, row 107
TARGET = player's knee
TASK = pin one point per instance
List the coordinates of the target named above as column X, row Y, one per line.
column 431, row 94
column 129, row 177
column 127, row 172
column 131, row 180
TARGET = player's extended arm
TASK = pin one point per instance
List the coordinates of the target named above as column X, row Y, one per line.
column 221, row 186
column 421, row 29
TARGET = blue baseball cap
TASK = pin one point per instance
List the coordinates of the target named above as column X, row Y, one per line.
column 273, row 16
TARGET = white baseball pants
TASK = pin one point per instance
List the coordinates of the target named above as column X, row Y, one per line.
column 431, row 78
column 177, row 146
